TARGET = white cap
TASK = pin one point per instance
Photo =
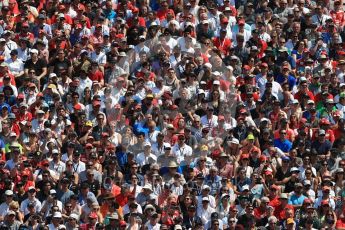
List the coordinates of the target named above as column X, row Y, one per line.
column 293, row 169
column 216, row 82
column 74, row 216
column 2, row 39
column 205, row 198
column 208, row 65
column 68, row 123
column 57, row 215
column 52, row 191
column 307, row 182
column 235, row 141
column 302, row 79
column 310, row 102
column 148, row 187
column 245, row 187
column 9, row 193
column 167, row 145
column 61, row 226
column 61, row 15
column 201, row 91
column 204, row 21
column 55, row 151
column 264, row 119
column 178, row 227
column 52, row 75
column 216, row 73
column 205, row 187
column 34, row 51
column 295, row 101
column 13, row 134
column 147, row 143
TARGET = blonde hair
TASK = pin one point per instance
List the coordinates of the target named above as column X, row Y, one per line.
column 13, row 205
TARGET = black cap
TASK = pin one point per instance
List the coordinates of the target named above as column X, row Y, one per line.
column 133, row 205
column 14, row 52
column 192, row 207
column 214, row 215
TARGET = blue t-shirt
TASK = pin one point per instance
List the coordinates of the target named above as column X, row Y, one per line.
column 291, row 80
column 296, row 200
column 284, row 146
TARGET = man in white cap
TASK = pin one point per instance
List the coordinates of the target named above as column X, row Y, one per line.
column 4, row 207
column 11, row 221
column 146, row 157
column 143, row 197
column 205, row 210
column 205, row 192
column 56, row 220
column 49, row 202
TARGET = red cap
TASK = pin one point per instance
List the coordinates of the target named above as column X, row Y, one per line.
column 268, row 172
column 264, row 64
column 340, row 52
column 61, row 7
column 135, row 10
column 20, row 96
column 25, row 173
column 104, row 134
column 307, row 201
column 246, row 67
column 216, row 153
column 77, row 107
column 40, row 94
column 173, row 107
column 263, row 158
column 93, row 215
column 241, row 22
column 233, row 207
column 225, row 20
column 96, row 103
column 120, row 36
column 244, row 156
column 337, row 113
column 81, row 7
column 44, row 162
column 324, row 202
column 243, row 110
column 88, row 145
column 123, row 223
column 25, row 24
column 78, row 26
column 324, row 121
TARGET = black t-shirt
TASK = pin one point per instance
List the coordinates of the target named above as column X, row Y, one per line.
column 38, row 66
column 94, row 186
column 57, row 64
column 280, row 175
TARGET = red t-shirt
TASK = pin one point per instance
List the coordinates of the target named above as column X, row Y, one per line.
column 96, row 76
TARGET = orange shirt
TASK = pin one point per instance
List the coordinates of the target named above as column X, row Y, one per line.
column 289, row 134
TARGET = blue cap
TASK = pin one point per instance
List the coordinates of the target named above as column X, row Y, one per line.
column 285, row 158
